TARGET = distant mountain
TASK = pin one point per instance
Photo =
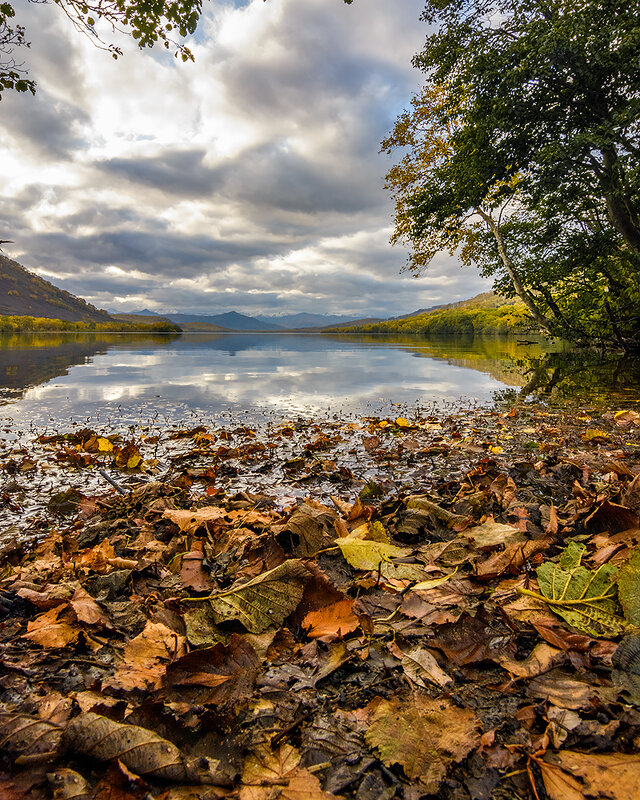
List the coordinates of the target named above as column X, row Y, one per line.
column 24, row 294
column 302, row 320
column 230, row 321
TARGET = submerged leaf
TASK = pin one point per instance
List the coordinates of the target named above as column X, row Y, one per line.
column 263, row 601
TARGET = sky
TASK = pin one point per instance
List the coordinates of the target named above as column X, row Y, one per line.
column 250, row 180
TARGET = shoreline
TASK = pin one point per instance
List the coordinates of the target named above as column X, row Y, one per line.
column 351, row 612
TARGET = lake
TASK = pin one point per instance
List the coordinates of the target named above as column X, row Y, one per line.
column 56, row 380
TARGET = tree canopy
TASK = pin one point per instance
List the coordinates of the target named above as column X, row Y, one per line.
column 521, row 153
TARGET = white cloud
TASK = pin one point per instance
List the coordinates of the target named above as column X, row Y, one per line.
column 248, row 180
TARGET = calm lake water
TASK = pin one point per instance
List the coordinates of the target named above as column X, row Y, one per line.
column 55, row 380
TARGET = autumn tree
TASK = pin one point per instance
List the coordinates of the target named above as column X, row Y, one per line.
column 521, row 153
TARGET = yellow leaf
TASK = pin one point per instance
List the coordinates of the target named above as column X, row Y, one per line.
column 593, row 433
column 495, row 448
column 104, row 445
column 401, row 422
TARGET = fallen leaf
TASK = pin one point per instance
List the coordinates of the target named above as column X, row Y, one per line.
column 263, row 601
column 146, row 657
column 55, row 628
column 423, row 735
column 420, row 665
column 220, row 675
column 629, row 587
column 492, row 534
column 569, row 774
column 27, row 736
column 367, row 554
column 541, row 659
column 586, row 599
column 140, row 750
column 332, row 622
column 87, row 610
column 190, row 521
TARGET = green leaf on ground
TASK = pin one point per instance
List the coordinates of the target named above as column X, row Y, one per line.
column 586, row 599
column 629, row 588
column 263, row 601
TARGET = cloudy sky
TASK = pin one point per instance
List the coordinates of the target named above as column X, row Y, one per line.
column 248, row 181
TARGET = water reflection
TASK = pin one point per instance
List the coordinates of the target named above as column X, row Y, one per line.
column 46, row 378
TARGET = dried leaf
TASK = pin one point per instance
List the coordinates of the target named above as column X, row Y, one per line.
column 568, row 774
column 140, row 750
column 420, row 665
column 27, row 736
column 146, row 658
column 67, row 784
column 307, row 530
column 220, row 675
column 190, row 521
column 541, row 659
column 264, row 766
column 87, row 610
column 192, row 574
column 492, row 534
column 332, row 622
column 423, row 735
column 54, row 628
column 263, row 601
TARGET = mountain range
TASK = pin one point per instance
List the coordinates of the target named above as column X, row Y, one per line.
column 22, row 293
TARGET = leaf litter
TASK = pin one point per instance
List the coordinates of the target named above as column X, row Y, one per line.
column 440, row 606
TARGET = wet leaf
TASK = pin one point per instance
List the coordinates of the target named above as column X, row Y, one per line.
column 219, row 675
column 332, row 622
column 629, row 588
column 570, row 775
column 140, row 750
column 493, row 534
column 423, row 735
column 586, row 599
column 263, row 601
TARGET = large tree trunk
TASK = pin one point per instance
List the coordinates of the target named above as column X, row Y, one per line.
column 623, row 218
column 522, row 293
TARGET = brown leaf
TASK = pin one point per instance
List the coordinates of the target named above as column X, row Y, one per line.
column 190, row 521
column 140, row 750
column 332, row 622
column 569, row 774
column 541, row 659
column 220, row 675
column 87, row 610
column 28, row 736
column 192, row 574
column 420, row 665
column 308, row 529
column 146, row 658
column 54, row 628
column 492, row 534
column 565, row 691
column 423, row 735
column 67, row 784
